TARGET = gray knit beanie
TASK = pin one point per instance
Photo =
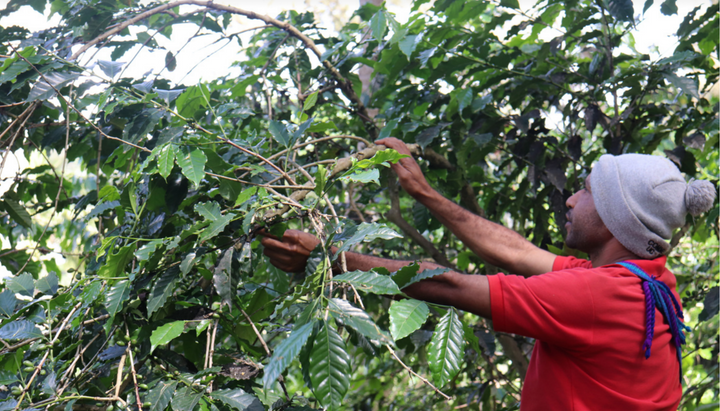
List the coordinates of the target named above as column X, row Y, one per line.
column 643, row 198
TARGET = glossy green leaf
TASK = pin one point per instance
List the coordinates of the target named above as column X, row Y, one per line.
column 245, row 195
column 358, row 320
column 364, row 177
column 18, row 213
column 7, row 377
column 669, row 7
column 383, row 157
column 320, row 180
column 409, row 43
column 7, row 303
column 686, row 84
column 238, row 399
column 221, row 276
column 679, row 57
column 159, row 397
column 116, row 296
column 369, row 281
column 620, row 9
column 428, row 135
column 148, row 249
column 406, row 316
column 142, row 124
column 47, row 285
column 471, row 338
column 279, row 132
column 168, row 95
column 19, row 330
column 46, row 86
column 110, row 68
column 319, row 127
column 310, row 101
column 446, row 350
column 187, row 263
column 285, row 353
column 365, row 232
column 166, row 333
column 378, row 25
column 166, row 159
column 388, row 129
column 192, row 162
column 22, row 284
column 422, row 275
column 216, row 227
column 115, row 263
column 404, row 275
column 329, row 367
column 101, row 208
column 186, row 399
column 163, row 288
column 711, row 304
column 90, row 293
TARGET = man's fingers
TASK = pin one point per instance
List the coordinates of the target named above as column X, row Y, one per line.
column 268, row 242
column 395, row 144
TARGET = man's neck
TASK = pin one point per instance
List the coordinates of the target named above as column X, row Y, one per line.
column 612, row 252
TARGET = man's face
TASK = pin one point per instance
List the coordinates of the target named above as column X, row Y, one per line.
column 585, row 229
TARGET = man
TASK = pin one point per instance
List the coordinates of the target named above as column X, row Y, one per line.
column 597, row 347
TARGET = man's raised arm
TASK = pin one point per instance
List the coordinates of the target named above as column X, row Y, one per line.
column 494, row 243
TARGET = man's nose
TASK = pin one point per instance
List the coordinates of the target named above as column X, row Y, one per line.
column 570, row 202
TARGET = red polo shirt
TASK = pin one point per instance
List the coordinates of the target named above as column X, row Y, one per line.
column 589, row 324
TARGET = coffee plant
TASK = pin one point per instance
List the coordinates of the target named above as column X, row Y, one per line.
column 136, row 276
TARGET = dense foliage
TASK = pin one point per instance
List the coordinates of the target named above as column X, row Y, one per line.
column 137, row 277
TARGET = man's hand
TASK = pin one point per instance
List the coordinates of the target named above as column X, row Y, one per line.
column 291, row 253
column 407, row 169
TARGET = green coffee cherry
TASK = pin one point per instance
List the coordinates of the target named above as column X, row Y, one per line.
column 143, row 386
column 43, row 372
column 110, row 408
column 28, row 363
column 16, row 390
column 29, row 369
column 147, row 404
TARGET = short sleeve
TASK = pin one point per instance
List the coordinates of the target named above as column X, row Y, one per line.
column 563, row 263
column 556, row 307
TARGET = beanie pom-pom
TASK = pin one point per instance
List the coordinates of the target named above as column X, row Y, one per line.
column 699, row 197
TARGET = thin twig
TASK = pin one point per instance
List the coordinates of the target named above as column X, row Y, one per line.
column 345, row 85
column 60, row 189
column 132, row 370
column 119, row 376
column 61, row 97
column 318, row 140
column 423, row 379
column 47, row 353
column 267, row 350
column 26, row 115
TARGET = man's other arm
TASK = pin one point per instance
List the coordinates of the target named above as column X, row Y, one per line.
column 494, row 243
column 467, row 292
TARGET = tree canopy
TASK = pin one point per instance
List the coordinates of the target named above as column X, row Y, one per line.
column 136, row 276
